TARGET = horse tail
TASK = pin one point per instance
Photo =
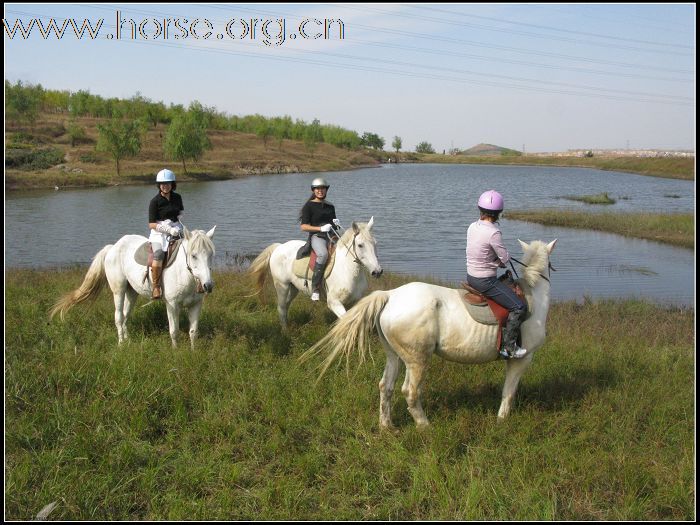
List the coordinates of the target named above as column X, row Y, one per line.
column 94, row 280
column 259, row 267
column 352, row 330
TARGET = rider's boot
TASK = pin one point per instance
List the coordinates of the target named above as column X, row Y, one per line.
column 156, row 272
column 509, row 346
column 316, row 282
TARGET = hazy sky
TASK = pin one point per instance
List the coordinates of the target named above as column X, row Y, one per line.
column 538, row 77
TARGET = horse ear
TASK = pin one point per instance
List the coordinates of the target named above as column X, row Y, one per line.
column 370, row 223
column 550, row 246
column 355, row 227
column 210, row 233
column 524, row 245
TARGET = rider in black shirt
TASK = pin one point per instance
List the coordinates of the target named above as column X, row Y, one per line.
column 317, row 217
column 164, row 212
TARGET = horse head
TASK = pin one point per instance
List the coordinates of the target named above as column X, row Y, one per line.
column 536, row 260
column 200, row 252
column 365, row 246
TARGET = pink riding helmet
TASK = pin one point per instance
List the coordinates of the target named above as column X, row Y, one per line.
column 491, row 200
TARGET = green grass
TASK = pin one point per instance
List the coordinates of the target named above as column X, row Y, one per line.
column 677, row 228
column 602, row 428
column 667, row 167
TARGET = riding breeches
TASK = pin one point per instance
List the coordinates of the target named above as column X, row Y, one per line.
column 320, row 246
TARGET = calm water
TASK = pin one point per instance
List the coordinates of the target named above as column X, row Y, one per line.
column 421, row 215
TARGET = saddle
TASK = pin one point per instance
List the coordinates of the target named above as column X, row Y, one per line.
column 144, row 256
column 303, row 266
column 144, row 253
column 487, row 311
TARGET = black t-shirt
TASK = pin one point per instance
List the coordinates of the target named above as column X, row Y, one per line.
column 317, row 213
column 161, row 208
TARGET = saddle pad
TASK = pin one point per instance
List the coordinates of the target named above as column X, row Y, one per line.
column 301, row 269
column 143, row 254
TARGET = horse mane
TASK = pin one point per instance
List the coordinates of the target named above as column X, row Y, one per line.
column 200, row 241
column 536, row 258
column 350, row 233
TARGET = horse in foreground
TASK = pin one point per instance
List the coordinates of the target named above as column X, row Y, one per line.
column 418, row 319
column 345, row 285
column 183, row 282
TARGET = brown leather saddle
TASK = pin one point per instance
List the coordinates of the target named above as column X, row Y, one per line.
column 304, row 266
column 476, row 298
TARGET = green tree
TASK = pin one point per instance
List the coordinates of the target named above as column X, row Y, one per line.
column 119, row 138
column 424, row 147
column 186, row 138
column 22, row 103
column 313, row 135
column 396, row 144
column 372, row 140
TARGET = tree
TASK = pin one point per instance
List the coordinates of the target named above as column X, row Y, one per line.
column 372, row 140
column 120, row 139
column 396, row 144
column 186, row 138
column 22, row 103
column 424, row 147
column 313, row 135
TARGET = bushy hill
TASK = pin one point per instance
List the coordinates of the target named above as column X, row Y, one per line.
column 59, row 150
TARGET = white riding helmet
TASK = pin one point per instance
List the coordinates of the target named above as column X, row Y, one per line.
column 165, row 176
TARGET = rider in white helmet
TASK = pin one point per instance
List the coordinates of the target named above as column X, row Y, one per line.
column 164, row 212
column 317, row 217
column 485, row 254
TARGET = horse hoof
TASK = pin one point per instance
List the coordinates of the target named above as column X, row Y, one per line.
column 391, row 429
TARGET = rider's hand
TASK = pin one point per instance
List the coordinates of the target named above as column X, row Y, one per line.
column 174, row 232
column 326, row 228
column 336, row 222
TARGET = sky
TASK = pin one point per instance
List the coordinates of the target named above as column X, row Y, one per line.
column 531, row 77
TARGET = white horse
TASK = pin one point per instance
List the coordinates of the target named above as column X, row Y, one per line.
column 345, row 285
column 418, row 320
column 182, row 281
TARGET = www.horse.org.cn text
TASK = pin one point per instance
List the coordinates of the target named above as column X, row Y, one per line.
column 269, row 31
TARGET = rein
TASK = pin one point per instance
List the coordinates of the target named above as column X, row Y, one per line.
column 550, row 268
column 354, row 250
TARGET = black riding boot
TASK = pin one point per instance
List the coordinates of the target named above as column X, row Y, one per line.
column 509, row 344
column 317, row 281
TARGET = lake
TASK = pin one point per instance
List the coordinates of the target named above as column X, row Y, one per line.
column 421, row 214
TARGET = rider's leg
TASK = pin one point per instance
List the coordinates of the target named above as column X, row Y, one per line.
column 157, row 269
column 501, row 293
column 320, row 246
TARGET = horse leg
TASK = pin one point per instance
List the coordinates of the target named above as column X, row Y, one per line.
column 415, row 374
column 193, row 315
column 336, row 307
column 130, row 298
column 173, row 322
column 119, row 294
column 386, row 386
column 514, row 371
column 285, row 295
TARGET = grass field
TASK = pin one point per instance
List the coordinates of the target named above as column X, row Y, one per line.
column 676, row 228
column 602, row 428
